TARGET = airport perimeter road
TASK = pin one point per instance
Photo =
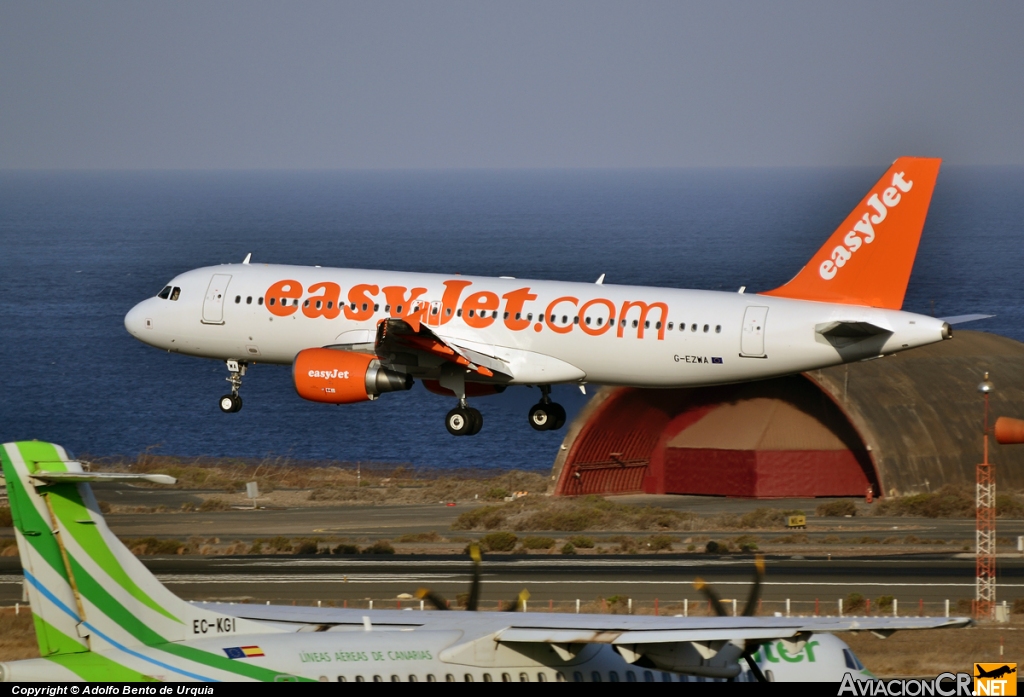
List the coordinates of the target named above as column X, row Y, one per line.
column 931, row 578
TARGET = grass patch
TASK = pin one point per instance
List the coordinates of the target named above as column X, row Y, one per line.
column 499, row 542
column 538, row 542
column 950, row 501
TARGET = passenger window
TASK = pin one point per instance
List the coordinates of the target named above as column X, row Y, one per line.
column 542, row 677
column 431, row 678
column 364, row 307
column 577, row 676
column 600, row 320
column 487, row 677
column 506, row 316
column 666, row 677
column 248, row 300
column 565, row 319
column 376, row 307
column 330, row 304
column 657, row 325
column 648, row 676
column 470, row 313
column 559, row 676
column 449, row 678
column 273, row 301
column 505, row 677
column 165, row 293
column 518, row 315
column 718, row 329
column 459, row 313
column 399, row 309
column 175, row 293
column 360, row 678
column 387, row 308
column 693, row 327
column 523, row 677
column 395, row 678
column 238, row 299
column 319, row 304
column 469, row 677
column 342, row 678
column 529, row 317
column 706, row 328
column 494, row 315
column 670, row 326
column 630, row 676
column 259, row 300
column 587, row 320
column 575, row 320
column 377, row 678
column 635, row 324
column 412, row 678
column 595, row 676
column 647, row 324
column 448, row 311
column 613, row 676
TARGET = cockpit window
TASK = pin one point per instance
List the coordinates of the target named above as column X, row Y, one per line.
column 164, row 293
column 175, row 293
column 852, row 662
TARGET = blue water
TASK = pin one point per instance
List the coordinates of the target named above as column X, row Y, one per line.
column 77, row 250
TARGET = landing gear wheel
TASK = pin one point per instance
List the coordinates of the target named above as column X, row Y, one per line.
column 476, row 419
column 459, row 422
column 540, row 419
column 557, row 416
column 230, row 403
column 547, row 417
column 238, row 403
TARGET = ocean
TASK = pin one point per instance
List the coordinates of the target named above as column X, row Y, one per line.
column 79, row 249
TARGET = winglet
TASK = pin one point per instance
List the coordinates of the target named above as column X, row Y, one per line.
column 868, row 259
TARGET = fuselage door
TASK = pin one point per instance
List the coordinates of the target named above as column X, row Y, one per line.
column 213, row 304
column 752, row 338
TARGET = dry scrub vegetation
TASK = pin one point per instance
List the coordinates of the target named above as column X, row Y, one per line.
column 950, row 501
column 597, row 513
column 342, row 482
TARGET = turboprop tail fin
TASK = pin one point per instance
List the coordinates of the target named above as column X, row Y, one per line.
column 868, row 259
column 87, row 590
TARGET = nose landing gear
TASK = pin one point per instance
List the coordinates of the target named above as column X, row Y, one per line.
column 230, row 403
column 546, row 415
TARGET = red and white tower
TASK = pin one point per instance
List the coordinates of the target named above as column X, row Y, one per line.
column 985, row 529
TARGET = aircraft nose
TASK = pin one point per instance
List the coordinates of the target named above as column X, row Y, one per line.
column 136, row 321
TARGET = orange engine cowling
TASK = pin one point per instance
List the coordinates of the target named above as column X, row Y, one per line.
column 343, row 377
column 1009, row 431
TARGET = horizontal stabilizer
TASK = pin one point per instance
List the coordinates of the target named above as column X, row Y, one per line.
column 79, row 477
column 960, row 319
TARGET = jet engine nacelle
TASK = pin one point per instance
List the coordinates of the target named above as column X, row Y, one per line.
column 1009, row 431
column 343, row 377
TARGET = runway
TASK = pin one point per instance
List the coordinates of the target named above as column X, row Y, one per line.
column 931, row 579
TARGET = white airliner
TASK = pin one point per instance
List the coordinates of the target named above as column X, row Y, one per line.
column 353, row 334
column 100, row 615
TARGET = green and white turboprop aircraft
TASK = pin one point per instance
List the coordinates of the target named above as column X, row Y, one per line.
column 100, row 615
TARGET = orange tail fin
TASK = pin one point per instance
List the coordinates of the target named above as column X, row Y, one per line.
column 867, row 261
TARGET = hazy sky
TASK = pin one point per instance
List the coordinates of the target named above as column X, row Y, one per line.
column 508, row 84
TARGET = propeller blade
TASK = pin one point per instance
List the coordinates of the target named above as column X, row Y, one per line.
column 711, row 595
column 755, row 591
column 474, row 588
column 520, row 602
column 748, row 655
column 436, row 600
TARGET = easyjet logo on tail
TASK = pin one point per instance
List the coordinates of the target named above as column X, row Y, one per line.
column 863, row 231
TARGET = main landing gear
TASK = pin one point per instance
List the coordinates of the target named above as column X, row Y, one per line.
column 464, row 420
column 546, row 415
column 230, row 403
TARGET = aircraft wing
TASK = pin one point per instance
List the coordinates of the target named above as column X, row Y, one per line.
column 396, row 336
column 708, row 646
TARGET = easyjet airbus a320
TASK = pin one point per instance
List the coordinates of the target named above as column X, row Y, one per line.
column 352, row 334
